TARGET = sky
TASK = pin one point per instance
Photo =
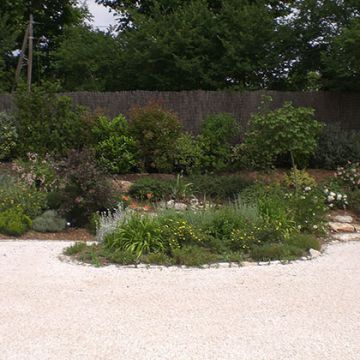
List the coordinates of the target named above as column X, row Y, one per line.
column 102, row 17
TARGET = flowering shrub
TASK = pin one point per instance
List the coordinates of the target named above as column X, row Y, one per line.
column 8, row 135
column 39, row 172
column 335, row 199
column 19, row 194
column 349, row 175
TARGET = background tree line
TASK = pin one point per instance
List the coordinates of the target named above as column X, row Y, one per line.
column 188, row 44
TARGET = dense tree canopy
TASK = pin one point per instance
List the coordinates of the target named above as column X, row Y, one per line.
column 189, row 44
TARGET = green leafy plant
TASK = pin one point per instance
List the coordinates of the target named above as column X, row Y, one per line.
column 8, row 136
column 140, row 235
column 354, row 201
column 155, row 131
column 289, row 130
column 14, row 222
column 276, row 251
column 75, row 249
column 48, row 123
column 336, row 146
column 181, row 189
column 219, row 187
column 115, row 148
column 49, row 221
column 218, row 132
column 150, row 189
column 188, row 154
column 193, row 256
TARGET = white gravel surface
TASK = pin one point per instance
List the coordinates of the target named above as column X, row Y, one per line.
column 55, row 310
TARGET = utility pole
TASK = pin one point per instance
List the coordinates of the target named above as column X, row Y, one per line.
column 30, row 61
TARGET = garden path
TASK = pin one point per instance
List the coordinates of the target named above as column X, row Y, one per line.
column 56, row 310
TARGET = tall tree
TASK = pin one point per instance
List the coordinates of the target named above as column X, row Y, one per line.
column 51, row 17
column 311, row 28
column 195, row 46
column 87, row 59
column 342, row 60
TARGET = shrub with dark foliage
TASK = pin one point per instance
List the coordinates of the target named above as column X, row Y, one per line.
column 86, row 189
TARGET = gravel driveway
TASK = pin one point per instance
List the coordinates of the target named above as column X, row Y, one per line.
column 54, row 310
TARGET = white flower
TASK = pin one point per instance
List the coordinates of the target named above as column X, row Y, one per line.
column 331, row 205
column 326, row 191
column 308, row 188
column 338, row 197
column 330, row 198
column 332, row 194
column 315, row 227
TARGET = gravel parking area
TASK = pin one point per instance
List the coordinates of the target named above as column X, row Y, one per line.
column 55, row 310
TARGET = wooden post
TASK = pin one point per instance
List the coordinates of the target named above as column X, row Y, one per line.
column 30, row 60
column 21, row 57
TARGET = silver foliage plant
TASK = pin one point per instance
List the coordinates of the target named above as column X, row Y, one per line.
column 109, row 221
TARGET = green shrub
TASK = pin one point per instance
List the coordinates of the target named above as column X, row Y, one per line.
column 188, row 155
column 8, row 136
column 54, row 199
column 304, row 242
column 48, row 123
column 14, row 222
column 75, row 249
column 218, row 132
column 140, row 235
column 275, row 251
column 86, row 189
column 299, row 179
column 289, row 130
column 18, row 194
column 122, row 257
column 336, row 147
column 193, row 256
column 147, row 188
column 49, row 221
column 115, row 148
column 354, row 201
column 155, row 131
column 157, row 258
column 219, row 187
column 94, row 222
column 274, row 210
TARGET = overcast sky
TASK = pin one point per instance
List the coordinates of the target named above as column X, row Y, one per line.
column 102, row 17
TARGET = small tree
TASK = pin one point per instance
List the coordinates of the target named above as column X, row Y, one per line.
column 288, row 130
